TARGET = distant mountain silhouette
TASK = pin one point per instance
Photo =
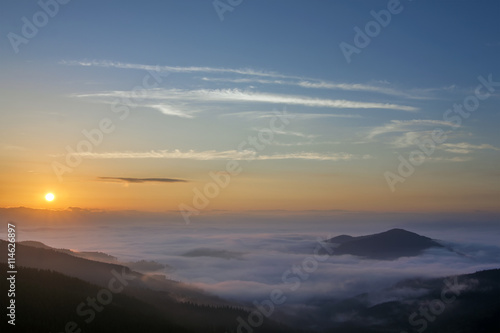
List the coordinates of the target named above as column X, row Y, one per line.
column 53, row 281
column 388, row 245
column 47, row 300
column 96, row 256
column 467, row 303
column 49, row 292
column 97, row 272
column 142, row 266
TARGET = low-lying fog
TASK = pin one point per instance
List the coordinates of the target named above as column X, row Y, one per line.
column 245, row 257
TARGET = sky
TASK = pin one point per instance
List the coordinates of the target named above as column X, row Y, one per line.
column 187, row 106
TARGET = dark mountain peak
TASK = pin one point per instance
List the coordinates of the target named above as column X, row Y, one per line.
column 36, row 244
column 387, row 245
column 398, row 231
column 341, row 239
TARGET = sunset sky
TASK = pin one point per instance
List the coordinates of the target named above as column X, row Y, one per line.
column 178, row 95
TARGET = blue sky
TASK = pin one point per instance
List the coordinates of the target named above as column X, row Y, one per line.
column 282, row 36
column 222, row 81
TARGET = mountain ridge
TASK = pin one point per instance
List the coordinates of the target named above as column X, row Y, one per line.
column 178, row 304
column 388, row 245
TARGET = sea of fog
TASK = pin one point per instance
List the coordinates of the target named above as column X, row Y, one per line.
column 245, row 256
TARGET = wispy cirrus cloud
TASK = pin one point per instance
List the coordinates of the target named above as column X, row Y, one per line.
column 320, row 84
column 209, row 155
column 395, row 126
column 170, row 110
column 291, row 133
column 305, row 116
column 186, row 103
column 255, row 76
column 466, row 148
column 176, row 69
column 456, row 159
column 206, row 155
column 304, row 143
column 141, row 180
column 242, row 96
column 316, row 156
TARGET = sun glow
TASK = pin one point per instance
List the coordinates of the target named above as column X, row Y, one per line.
column 49, row 197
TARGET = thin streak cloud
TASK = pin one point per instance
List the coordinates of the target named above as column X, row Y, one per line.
column 170, row 110
column 141, row 180
column 466, row 148
column 206, row 155
column 318, row 84
column 236, row 96
column 291, row 133
column 224, row 155
column 305, row 116
column 298, row 81
column 176, row 69
column 316, row 156
column 405, row 125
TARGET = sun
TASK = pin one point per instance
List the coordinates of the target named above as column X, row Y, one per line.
column 49, row 197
